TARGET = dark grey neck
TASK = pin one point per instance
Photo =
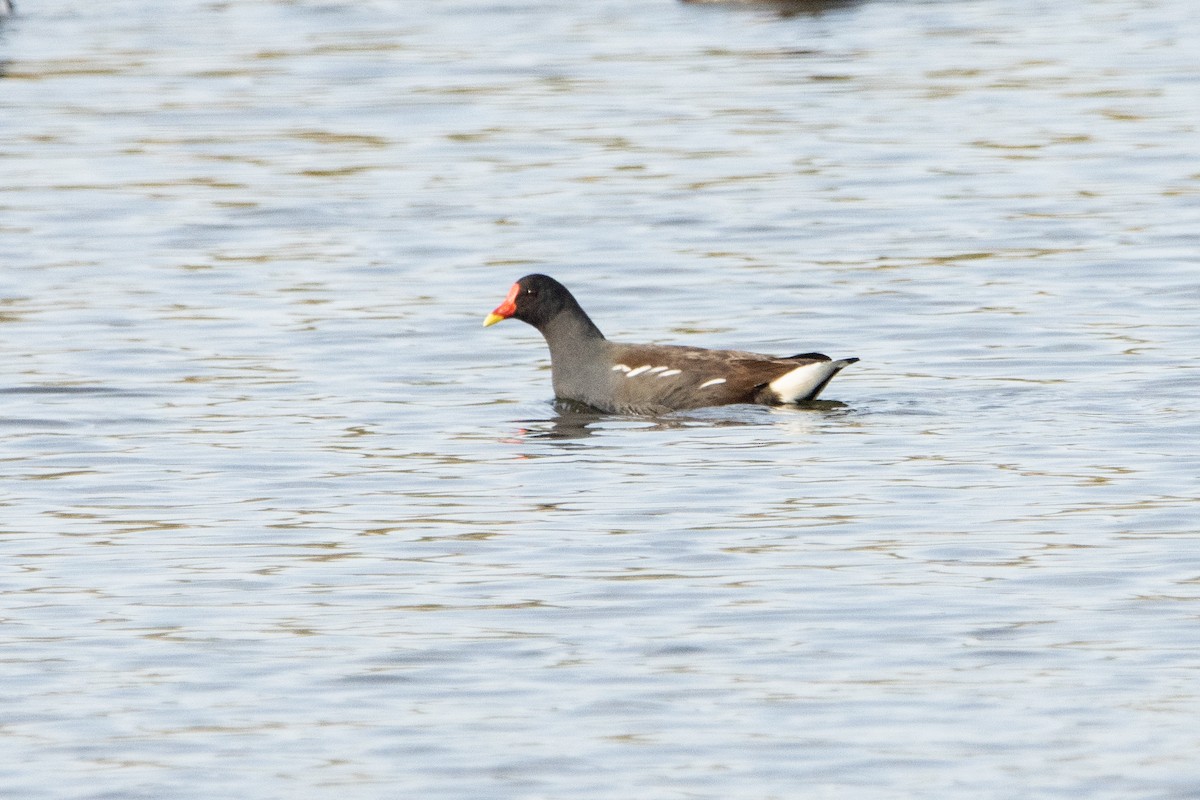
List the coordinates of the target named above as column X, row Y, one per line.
column 576, row 352
column 570, row 327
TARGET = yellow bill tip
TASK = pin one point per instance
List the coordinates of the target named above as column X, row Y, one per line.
column 492, row 319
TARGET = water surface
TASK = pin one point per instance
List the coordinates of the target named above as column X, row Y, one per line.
column 280, row 519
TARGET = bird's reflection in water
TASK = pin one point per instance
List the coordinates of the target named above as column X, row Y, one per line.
column 569, row 420
column 785, row 8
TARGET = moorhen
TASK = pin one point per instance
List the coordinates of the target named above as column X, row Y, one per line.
column 652, row 378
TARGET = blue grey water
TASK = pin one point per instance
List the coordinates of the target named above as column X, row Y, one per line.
column 280, row 519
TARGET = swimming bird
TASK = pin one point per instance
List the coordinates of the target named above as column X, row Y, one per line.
column 650, row 378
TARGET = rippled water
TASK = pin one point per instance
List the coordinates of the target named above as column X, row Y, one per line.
column 280, row 519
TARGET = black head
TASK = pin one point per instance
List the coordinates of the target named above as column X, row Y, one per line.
column 535, row 299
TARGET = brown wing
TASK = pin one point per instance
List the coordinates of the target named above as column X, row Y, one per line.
column 649, row 379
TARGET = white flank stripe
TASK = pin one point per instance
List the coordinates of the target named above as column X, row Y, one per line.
column 669, row 373
column 620, row 368
column 633, row 373
column 713, row 382
column 656, row 369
